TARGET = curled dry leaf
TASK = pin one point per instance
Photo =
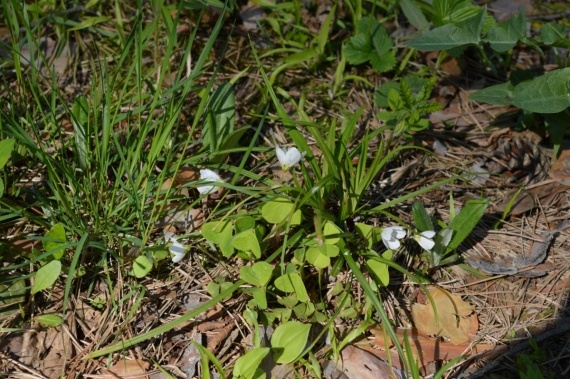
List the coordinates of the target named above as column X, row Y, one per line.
column 453, row 320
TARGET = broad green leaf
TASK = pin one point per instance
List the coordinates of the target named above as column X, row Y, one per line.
column 550, row 33
column 49, row 320
column 258, row 274
column 466, row 220
column 292, row 283
column 289, row 340
column 315, row 257
column 549, row 93
column 141, row 266
column 330, row 229
column 247, row 241
column 260, row 296
column 6, row 148
column 244, row 223
column 1, row 188
column 220, row 233
column 421, row 217
column 443, row 38
column 372, row 234
column 276, row 211
column 414, row 14
column 503, row 36
column 500, row 94
column 57, row 240
column 442, row 240
column 46, row 276
column 380, row 269
column 246, row 365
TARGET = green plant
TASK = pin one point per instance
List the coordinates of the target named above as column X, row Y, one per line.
column 371, row 43
column 459, row 24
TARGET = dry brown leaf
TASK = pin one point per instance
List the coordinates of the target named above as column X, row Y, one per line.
column 359, row 364
column 427, row 349
column 132, row 369
column 452, row 319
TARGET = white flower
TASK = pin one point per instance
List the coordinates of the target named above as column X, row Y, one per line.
column 391, row 235
column 425, row 239
column 288, row 157
column 210, row 176
column 176, row 248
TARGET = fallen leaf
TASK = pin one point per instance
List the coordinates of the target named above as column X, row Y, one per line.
column 452, row 320
column 359, row 364
column 425, row 349
column 132, row 369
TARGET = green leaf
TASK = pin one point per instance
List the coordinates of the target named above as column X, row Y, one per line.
column 292, row 283
column 421, row 217
column 330, row 229
column 259, row 295
column 1, row 188
column 551, row 33
column 141, row 266
column 220, row 118
column 372, row 234
column 289, row 340
column 380, row 269
column 258, row 274
column 443, row 38
column 46, row 276
column 500, row 94
column 57, row 240
column 89, row 22
column 247, row 364
column 6, row 148
column 247, row 241
column 549, row 93
column 315, row 257
column 466, row 220
column 414, row 14
column 49, row 320
column 505, row 35
column 276, row 211
column 219, row 233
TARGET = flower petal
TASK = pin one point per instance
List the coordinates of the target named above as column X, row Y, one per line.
column 428, row 234
column 281, row 154
column 177, row 249
column 391, row 235
column 210, row 176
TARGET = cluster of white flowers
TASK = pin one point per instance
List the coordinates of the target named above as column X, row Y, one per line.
column 392, row 235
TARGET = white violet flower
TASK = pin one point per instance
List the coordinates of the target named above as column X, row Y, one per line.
column 176, row 248
column 210, row 176
column 288, row 157
column 425, row 239
column 391, row 235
